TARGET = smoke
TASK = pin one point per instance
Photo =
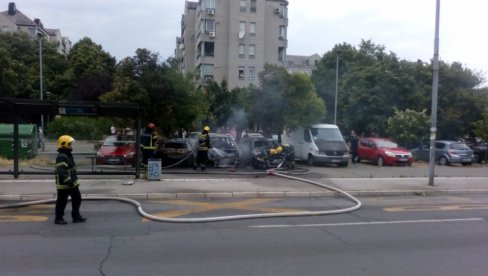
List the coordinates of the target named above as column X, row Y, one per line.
column 238, row 119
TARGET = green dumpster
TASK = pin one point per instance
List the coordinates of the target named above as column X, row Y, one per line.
column 28, row 143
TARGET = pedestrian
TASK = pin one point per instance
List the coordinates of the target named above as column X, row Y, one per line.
column 202, row 151
column 113, row 130
column 233, row 132
column 67, row 182
column 354, row 146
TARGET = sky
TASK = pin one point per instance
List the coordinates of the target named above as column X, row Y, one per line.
column 404, row 27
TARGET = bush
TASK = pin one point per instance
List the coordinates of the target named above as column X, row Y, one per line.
column 81, row 128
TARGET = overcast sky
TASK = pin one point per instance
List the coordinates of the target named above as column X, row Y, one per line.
column 405, row 27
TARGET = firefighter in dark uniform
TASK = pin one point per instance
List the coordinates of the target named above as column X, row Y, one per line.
column 202, row 151
column 67, row 182
column 148, row 142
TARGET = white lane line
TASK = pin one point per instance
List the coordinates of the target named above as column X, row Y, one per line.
column 368, row 223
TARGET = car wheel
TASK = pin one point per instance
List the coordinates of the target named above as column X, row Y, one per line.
column 380, row 161
column 443, row 161
column 310, row 160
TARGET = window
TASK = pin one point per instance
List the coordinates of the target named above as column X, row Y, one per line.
column 251, row 73
column 206, row 70
column 281, row 54
column 209, row 25
column 241, row 72
column 252, row 28
column 242, row 50
column 209, row 49
column 243, row 5
column 242, row 27
column 252, row 50
column 253, row 6
column 282, row 33
column 209, row 4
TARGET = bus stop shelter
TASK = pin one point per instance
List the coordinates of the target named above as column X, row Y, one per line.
column 12, row 109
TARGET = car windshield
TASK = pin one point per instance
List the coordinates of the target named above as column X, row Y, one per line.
column 387, row 144
column 222, row 142
column 262, row 144
column 114, row 142
column 326, row 134
column 459, row 146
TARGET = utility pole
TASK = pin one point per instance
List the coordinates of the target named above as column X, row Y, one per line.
column 435, row 86
column 337, row 81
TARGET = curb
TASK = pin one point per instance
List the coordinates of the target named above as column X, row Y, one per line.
column 238, row 195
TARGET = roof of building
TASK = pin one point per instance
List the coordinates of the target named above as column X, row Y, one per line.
column 296, row 60
column 17, row 17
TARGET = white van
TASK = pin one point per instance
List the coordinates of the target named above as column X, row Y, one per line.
column 322, row 143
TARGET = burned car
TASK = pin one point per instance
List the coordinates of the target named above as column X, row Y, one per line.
column 224, row 151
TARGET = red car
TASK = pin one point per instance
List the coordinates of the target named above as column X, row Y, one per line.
column 383, row 151
column 115, row 151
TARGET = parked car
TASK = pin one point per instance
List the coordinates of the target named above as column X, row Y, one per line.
column 175, row 150
column 252, row 146
column 480, row 152
column 116, row 151
column 224, row 151
column 446, row 153
column 383, row 151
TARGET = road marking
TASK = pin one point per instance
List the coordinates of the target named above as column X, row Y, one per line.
column 368, row 223
column 199, row 207
column 436, row 208
column 22, row 218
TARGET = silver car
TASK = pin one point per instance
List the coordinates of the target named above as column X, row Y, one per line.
column 446, row 153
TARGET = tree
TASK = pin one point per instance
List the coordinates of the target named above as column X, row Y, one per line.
column 408, row 127
column 90, row 71
column 19, row 65
column 481, row 126
column 285, row 100
column 167, row 96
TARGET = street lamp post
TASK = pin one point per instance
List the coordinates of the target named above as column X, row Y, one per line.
column 41, row 88
column 337, row 81
column 435, row 86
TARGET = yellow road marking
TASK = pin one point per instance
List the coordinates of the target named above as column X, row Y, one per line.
column 435, row 208
column 199, row 207
column 22, row 218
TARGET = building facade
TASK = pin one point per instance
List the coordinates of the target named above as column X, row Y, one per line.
column 232, row 39
column 302, row 64
column 13, row 20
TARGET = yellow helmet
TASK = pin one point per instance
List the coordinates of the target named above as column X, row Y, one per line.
column 206, row 128
column 64, row 141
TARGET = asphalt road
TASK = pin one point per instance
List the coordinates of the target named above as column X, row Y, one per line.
column 441, row 235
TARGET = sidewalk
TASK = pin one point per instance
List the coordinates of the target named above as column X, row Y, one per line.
column 245, row 187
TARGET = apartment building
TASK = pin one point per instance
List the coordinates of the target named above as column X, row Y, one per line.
column 232, row 39
column 13, row 20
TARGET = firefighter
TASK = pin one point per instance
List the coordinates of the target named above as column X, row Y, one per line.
column 67, row 182
column 202, row 151
column 148, row 142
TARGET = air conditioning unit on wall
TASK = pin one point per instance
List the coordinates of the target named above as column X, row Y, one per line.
column 210, row 11
column 211, row 34
column 277, row 10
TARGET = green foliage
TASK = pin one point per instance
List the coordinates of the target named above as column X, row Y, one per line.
column 19, row 65
column 408, row 126
column 481, row 126
column 90, row 71
column 373, row 83
column 285, row 100
column 81, row 128
column 168, row 97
